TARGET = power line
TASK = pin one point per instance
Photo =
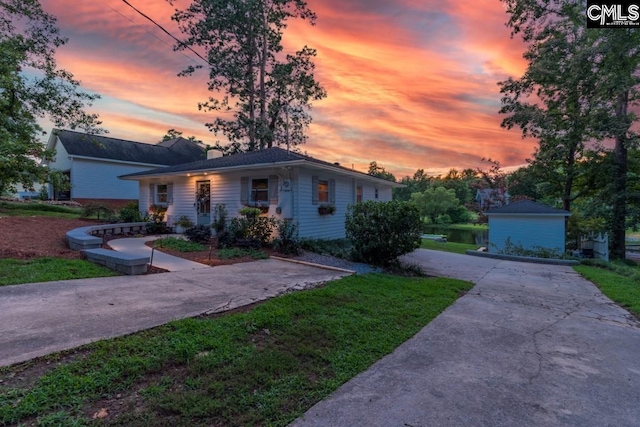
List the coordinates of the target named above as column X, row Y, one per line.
column 180, row 42
column 148, row 32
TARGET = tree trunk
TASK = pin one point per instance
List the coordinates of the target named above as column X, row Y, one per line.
column 618, row 228
column 263, row 91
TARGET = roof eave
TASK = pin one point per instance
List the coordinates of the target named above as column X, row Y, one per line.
column 298, row 162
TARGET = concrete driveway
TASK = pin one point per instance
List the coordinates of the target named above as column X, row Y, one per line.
column 41, row 318
column 530, row 345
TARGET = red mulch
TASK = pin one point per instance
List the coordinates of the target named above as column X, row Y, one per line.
column 37, row 236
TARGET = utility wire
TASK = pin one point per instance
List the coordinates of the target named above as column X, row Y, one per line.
column 180, row 42
column 148, row 32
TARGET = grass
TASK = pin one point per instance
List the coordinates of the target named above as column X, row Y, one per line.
column 38, row 209
column 461, row 226
column 340, row 248
column 13, row 272
column 229, row 253
column 178, row 244
column 262, row 367
column 458, row 248
column 619, row 282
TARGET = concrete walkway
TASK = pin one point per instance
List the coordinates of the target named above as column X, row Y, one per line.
column 136, row 246
column 41, row 318
column 530, row 345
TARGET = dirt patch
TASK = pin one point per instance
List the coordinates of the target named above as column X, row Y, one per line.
column 37, row 236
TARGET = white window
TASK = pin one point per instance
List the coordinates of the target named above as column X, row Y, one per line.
column 162, row 194
column 260, row 190
column 358, row 193
column 376, row 193
column 323, row 191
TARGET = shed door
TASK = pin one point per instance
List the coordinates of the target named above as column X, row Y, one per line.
column 203, row 202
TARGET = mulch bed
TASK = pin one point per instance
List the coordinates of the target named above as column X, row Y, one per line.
column 209, row 256
column 37, row 236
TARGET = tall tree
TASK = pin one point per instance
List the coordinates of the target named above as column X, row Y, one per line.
column 380, row 172
column 618, row 63
column 173, row 134
column 268, row 94
column 29, row 38
column 552, row 101
column 586, row 81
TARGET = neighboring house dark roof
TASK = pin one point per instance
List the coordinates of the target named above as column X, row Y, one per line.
column 251, row 158
column 527, row 207
column 167, row 153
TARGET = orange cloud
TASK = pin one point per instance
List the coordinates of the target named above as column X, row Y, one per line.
column 411, row 84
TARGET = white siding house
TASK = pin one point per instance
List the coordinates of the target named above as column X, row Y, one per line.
column 94, row 162
column 528, row 224
column 286, row 185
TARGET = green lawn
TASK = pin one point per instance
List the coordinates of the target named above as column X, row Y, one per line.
column 38, row 209
column 621, row 283
column 264, row 367
column 462, row 226
column 458, row 248
column 178, row 244
column 14, row 272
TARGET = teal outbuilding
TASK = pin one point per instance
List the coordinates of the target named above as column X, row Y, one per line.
column 527, row 224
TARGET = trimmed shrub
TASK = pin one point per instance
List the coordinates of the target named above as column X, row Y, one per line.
column 287, row 241
column 383, row 231
column 250, row 231
column 198, row 234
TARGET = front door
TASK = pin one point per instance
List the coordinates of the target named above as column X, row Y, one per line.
column 203, row 202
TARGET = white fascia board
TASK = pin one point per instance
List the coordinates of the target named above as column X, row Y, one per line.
column 289, row 163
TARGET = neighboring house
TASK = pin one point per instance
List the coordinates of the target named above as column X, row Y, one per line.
column 285, row 184
column 488, row 198
column 94, row 162
column 528, row 224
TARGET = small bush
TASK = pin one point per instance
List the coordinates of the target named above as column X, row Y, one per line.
column 131, row 213
column 383, row 231
column 198, row 234
column 517, row 249
column 288, row 241
column 249, row 229
column 156, row 224
column 219, row 217
column 96, row 209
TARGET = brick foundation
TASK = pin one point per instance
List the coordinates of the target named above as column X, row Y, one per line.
column 115, row 204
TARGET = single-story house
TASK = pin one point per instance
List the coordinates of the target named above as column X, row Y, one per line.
column 287, row 185
column 94, row 162
column 528, row 224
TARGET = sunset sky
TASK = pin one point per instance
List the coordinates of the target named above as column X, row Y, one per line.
column 411, row 83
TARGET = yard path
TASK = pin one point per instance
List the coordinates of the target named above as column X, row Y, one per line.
column 41, row 318
column 530, row 344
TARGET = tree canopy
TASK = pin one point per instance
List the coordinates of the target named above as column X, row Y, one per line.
column 261, row 95
column 33, row 87
column 576, row 90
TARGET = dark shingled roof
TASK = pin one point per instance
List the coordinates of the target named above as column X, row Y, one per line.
column 167, row 153
column 251, row 158
column 527, row 207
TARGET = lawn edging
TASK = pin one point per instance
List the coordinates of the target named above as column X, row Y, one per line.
column 534, row 260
